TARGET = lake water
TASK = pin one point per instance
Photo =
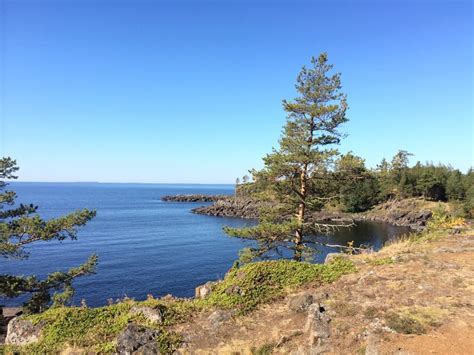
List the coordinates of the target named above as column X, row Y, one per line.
column 145, row 246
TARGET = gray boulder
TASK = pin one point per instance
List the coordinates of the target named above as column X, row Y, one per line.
column 148, row 349
column 205, row 290
column 154, row 315
column 135, row 338
column 233, row 290
column 22, row 332
column 318, row 329
column 218, row 317
column 300, row 303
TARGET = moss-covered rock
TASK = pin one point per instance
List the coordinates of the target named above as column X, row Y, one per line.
column 264, row 281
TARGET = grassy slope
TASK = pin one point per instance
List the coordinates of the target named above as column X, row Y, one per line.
column 94, row 329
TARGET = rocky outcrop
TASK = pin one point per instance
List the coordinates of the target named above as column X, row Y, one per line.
column 233, row 207
column 22, row 332
column 6, row 315
column 408, row 213
column 205, row 290
column 301, row 302
column 318, row 329
column 218, row 317
column 244, row 207
column 154, row 315
column 137, row 340
column 193, row 198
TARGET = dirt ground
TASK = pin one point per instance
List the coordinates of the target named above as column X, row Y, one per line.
column 426, row 289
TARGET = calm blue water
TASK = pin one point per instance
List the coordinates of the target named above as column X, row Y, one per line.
column 145, row 246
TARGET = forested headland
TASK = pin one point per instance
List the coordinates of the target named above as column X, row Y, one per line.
column 350, row 186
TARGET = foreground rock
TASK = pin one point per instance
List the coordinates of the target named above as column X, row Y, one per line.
column 22, row 332
column 318, row 329
column 218, row 317
column 151, row 314
column 205, row 290
column 6, row 315
column 193, row 198
column 301, row 302
column 137, row 340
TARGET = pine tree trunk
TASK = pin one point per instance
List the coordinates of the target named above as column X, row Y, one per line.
column 300, row 216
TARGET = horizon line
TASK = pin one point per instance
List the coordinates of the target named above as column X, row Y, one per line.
column 117, row 182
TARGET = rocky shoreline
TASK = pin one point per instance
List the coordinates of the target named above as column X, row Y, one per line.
column 404, row 213
column 232, row 207
column 194, row 198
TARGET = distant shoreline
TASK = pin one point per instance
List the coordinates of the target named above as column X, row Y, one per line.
column 121, row 183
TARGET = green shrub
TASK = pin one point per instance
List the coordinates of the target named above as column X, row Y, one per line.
column 256, row 283
column 265, row 349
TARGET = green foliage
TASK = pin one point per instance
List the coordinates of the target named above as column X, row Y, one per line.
column 169, row 342
column 380, row 261
column 82, row 327
column 21, row 226
column 437, row 183
column 468, row 182
column 265, row 349
column 358, row 187
column 261, row 282
column 442, row 220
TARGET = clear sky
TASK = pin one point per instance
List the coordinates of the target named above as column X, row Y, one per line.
column 190, row 91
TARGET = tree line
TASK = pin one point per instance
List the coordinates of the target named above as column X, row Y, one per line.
column 356, row 188
column 395, row 179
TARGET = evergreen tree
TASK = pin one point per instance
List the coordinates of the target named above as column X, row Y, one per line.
column 358, row 186
column 399, row 168
column 384, row 179
column 468, row 184
column 20, row 225
column 454, row 186
column 302, row 160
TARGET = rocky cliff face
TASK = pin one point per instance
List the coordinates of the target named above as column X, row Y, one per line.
column 413, row 213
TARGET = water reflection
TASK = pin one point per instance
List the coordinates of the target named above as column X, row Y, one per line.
column 363, row 233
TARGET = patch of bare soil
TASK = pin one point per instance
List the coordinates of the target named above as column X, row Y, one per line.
column 410, row 298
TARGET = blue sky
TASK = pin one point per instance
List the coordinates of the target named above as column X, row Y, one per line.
column 190, row 91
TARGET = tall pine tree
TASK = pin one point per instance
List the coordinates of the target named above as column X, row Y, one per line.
column 298, row 167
